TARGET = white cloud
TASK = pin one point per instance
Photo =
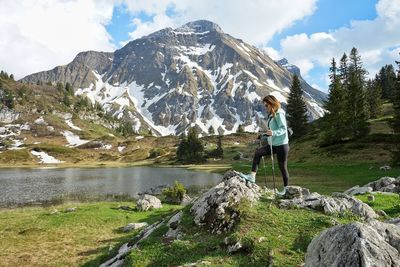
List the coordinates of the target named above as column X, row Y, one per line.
column 39, row 35
column 272, row 53
column 254, row 21
column 376, row 40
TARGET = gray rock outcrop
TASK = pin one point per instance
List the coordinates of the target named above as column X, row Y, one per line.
column 217, row 209
column 174, row 231
column 337, row 204
column 356, row 244
column 134, row 226
column 8, row 115
column 358, row 190
column 386, row 184
column 146, row 202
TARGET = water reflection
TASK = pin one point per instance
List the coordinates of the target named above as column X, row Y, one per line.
column 23, row 186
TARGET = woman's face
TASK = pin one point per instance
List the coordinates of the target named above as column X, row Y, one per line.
column 267, row 106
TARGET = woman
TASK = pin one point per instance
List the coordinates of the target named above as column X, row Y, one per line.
column 277, row 132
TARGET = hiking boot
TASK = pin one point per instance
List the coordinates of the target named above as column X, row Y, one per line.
column 283, row 192
column 248, row 177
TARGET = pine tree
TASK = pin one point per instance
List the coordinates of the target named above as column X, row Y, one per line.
column 387, row 81
column 181, row 152
column 396, row 118
column 69, row 88
column 356, row 114
column 219, row 151
column 211, row 130
column 374, row 94
column 296, row 109
column 344, row 71
column 195, row 148
column 335, row 105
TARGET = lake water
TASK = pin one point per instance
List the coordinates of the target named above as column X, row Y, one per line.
column 40, row 186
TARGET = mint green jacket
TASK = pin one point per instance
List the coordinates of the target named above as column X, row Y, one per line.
column 278, row 126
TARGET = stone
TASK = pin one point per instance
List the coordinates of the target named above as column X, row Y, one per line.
column 146, row 202
column 357, row 190
column 339, row 203
column 174, row 231
column 382, row 213
column 134, row 226
column 356, row 244
column 382, row 182
column 296, row 192
column 235, row 248
column 8, row 115
column 186, row 199
column 70, row 209
column 395, row 221
column 217, row 209
column 385, row 168
column 371, row 198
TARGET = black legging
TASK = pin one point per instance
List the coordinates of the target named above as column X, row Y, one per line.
column 282, row 153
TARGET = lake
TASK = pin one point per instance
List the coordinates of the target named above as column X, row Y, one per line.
column 19, row 187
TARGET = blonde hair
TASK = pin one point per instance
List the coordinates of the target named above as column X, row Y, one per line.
column 273, row 104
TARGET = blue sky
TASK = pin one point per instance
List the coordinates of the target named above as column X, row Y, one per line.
column 39, row 35
column 329, row 15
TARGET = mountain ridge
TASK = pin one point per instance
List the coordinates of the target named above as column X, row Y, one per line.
column 172, row 79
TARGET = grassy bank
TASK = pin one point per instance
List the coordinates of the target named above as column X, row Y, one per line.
column 35, row 237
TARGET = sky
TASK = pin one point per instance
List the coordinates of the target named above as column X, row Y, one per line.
column 38, row 35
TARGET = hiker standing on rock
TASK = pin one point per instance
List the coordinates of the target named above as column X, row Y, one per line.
column 277, row 133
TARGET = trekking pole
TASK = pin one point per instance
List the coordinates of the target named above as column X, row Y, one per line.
column 272, row 162
column 265, row 171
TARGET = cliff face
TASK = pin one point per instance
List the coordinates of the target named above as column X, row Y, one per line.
column 195, row 75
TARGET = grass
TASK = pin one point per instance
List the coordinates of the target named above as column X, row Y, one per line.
column 264, row 228
column 390, row 204
column 322, row 178
column 35, row 237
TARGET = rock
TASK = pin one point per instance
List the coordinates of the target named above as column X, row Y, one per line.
column 147, row 202
column 8, row 115
column 235, row 248
column 133, row 226
column 296, row 192
column 385, row 168
column 217, row 209
column 198, row 263
column 357, row 190
column 395, row 221
column 70, row 209
column 357, row 244
column 382, row 182
column 261, row 239
column 55, row 211
column 338, row 203
column 174, row 231
column 371, row 198
column 186, row 199
column 382, row 213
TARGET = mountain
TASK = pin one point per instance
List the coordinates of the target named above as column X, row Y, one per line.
column 194, row 75
column 284, row 63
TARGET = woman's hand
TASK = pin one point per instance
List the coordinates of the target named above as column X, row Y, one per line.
column 269, row 133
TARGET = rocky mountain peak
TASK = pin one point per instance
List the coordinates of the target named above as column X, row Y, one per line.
column 175, row 78
column 199, row 26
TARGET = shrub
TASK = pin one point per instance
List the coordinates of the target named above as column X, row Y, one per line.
column 174, row 193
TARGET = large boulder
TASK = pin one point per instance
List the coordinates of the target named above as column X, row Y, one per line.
column 357, row 244
column 146, row 202
column 218, row 209
column 386, row 184
column 337, row 204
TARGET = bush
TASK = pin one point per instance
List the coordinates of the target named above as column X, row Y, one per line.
column 174, row 193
